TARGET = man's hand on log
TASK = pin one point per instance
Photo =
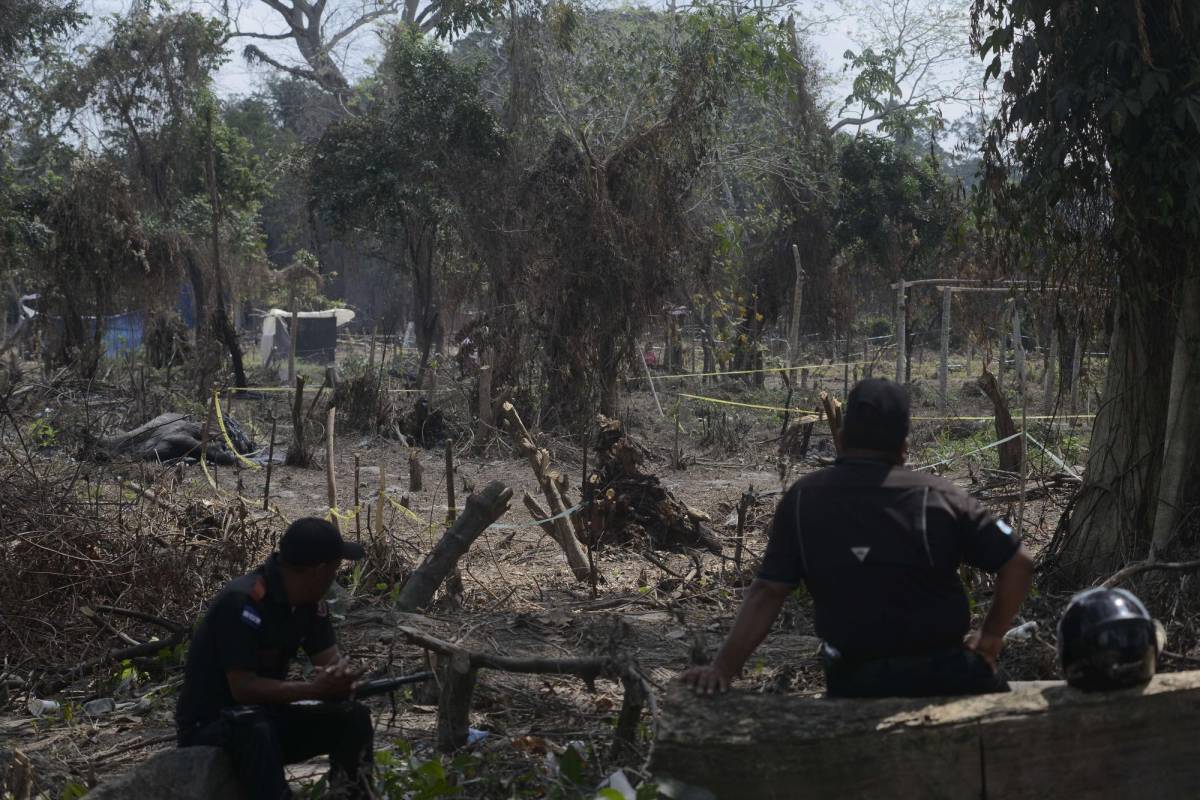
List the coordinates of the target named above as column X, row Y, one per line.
column 707, row 680
column 986, row 645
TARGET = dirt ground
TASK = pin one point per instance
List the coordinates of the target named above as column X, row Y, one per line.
column 665, row 609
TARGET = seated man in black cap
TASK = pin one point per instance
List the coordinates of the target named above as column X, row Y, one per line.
column 879, row 548
column 236, row 693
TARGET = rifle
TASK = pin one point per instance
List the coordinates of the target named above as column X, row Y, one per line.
column 384, row 685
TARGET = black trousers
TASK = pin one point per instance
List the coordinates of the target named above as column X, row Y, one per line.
column 261, row 739
column 946, row 673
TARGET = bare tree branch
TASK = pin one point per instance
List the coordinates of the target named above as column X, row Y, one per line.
column 253, row 54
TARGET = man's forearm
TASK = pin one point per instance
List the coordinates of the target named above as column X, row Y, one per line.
column 759, row 609
column 267, row 691
column 1012, row 585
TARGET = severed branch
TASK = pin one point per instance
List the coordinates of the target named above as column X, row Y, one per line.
column 481, row 510
column 559, row 529
column 179, row 633
column 1128, row 572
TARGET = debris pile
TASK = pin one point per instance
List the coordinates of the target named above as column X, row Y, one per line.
column 629, row 505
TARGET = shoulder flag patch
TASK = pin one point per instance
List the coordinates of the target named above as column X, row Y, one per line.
column 860, row 553
column 251, row 617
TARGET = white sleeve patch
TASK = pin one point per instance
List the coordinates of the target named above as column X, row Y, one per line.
column 1004, row 527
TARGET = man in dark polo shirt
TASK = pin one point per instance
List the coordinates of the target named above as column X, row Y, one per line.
column 879, row 547
column 236, row 693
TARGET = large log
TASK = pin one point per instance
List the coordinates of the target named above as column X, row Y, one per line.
column 1043, row 740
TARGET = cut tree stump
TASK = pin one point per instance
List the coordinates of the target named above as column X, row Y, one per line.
column 1010, row 451
column 481, row 511
column 1043, row 740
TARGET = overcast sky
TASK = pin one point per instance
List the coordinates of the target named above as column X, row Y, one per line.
column 236, row 77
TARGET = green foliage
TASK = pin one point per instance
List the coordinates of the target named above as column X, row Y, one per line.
column 894, row 211
column 392, row 170
column 1105, row 102
column 40, row 433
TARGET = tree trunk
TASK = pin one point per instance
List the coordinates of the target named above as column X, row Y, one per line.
column 221, row 323
column 1113, row 516
column 1181, row 468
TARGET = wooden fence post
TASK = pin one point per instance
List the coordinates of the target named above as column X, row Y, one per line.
column 944, row 374
column 901, row 327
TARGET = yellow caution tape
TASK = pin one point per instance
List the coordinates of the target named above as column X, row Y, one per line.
column 345, row 516
column 225, row 433
column 756, row 371
column 916, row 419
column 745, row 405
column 403, row 509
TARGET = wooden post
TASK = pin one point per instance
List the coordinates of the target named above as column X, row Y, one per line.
column 1077, row 365
column 371, row 357
column 330, row 478
column 293, row 333
column 414, row 471
column 451, row 512
column 457, row 681
column 270, row 461
column 487, row 414
column 797, row 301
column 1002, row 365
column 650, row 380
column 298, row 453
column 357, row 513
column 944, row 374
column 901, row 326
column 1048, row 382
column 1018, row 348
column 382, row 494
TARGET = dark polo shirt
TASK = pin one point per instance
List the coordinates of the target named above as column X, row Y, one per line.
column 249, row 626
column 879, row 547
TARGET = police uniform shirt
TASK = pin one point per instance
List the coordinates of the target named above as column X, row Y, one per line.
column 879, row 547
column 249, row 626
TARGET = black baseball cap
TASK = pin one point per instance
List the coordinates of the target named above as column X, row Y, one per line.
column 311, row 540
column 877, row 416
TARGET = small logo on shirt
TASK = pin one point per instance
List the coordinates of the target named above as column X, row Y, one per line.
column 860, row 553
column 322, row 609
column 251, row 617
column 1004, row 527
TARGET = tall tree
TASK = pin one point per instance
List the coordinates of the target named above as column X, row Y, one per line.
column 1101, row 110
column 398, row 172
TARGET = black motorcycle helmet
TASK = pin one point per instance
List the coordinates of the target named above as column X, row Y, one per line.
column 1107, row 640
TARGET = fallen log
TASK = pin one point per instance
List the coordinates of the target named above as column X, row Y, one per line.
column 481, row 511
column 1043, row 740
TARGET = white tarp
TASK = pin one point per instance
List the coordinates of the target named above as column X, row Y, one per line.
column 275, row 329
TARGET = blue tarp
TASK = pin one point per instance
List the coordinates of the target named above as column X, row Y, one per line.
column 123, row 333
